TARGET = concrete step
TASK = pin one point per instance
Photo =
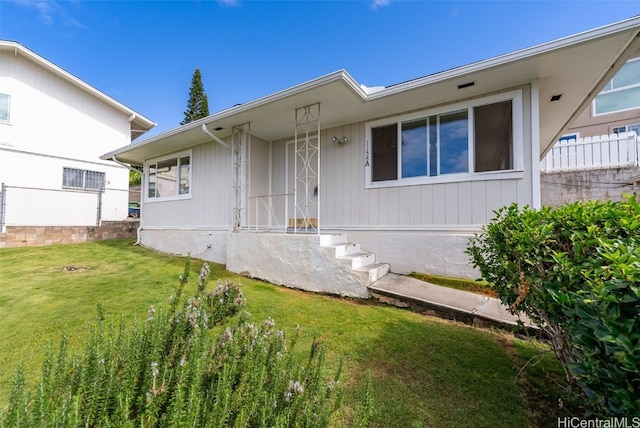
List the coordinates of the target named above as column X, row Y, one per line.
column 374, row 271
column 330, row 239
column 359, row 259
column 345, row 249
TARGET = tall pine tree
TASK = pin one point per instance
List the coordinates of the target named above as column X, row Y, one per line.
column 198, row 105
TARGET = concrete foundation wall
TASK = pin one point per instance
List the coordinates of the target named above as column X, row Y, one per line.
column 31, row 236
column 209, row 245
column 295, row 261
column 435, row 253
column 299, row 261
column 563, row 187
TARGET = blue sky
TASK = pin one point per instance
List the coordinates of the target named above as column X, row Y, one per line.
column 143, row 53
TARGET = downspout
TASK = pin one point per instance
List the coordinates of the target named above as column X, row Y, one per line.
column 126, row 165
column 216, row 139
column 131, row 168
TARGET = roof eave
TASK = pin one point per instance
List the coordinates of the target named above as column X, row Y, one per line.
column 519, row 55
column 141, row 122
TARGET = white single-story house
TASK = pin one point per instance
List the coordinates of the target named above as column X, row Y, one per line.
column 327, row 185
column 53, row 129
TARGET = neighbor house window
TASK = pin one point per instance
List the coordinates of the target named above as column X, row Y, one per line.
column 5, row 101
column 169, row 177
column 82, row 179
column 464, row 139
column 567, row 138
column 627, row 128
column 622, row 92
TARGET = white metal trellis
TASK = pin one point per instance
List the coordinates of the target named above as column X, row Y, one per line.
column 307, row 169
column 240, row 139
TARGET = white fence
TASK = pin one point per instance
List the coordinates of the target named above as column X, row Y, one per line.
column 603, row 151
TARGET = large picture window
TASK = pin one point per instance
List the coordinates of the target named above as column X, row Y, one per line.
column 169, row 177
column 463, row 139
column 622, row 92
column 82, row 179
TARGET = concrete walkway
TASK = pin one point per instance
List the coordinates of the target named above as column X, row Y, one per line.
column 404, row 291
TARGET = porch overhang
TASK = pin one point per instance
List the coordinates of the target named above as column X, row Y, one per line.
column 576, row 67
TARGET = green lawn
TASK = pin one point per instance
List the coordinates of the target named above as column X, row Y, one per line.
column 426, row 372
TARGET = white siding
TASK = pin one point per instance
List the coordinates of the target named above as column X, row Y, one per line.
column 210, row 201
column 52, row 116
column 346, row 203
column 54, row 124
column 259, row 170
column 47, row 203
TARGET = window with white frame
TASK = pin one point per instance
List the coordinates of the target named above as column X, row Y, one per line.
column 82, row 179
column 622, row 92
column 479, row 136
column 169, row 177
column 568, row 137
column 5, row 104
column 626, row 128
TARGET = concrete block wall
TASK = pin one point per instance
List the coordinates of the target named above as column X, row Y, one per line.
column 29, row 236
column 558, row 188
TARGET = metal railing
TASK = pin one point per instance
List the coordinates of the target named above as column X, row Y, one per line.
column 615, row 150
column 268, row 213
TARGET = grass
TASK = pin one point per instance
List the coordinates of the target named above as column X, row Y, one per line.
column 478, row 287
column 425, row 372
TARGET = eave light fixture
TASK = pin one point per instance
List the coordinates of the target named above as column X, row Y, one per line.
column 343, row 140
column 555, row 97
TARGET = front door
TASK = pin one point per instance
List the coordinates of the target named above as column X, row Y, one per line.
column 302, row 184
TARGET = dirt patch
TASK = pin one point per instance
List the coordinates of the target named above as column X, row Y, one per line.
column 71, row 268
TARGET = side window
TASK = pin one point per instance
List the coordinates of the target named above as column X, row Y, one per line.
column 82, row 179
column 169, row 177
column 5, row 104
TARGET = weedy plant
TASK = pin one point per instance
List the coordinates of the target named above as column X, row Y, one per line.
column 170, row 371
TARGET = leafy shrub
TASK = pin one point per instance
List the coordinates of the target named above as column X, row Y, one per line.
column 575, row 271
column 169, row 371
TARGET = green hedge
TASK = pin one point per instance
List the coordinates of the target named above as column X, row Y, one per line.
column 575, row 271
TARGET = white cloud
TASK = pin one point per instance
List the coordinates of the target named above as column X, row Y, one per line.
column 50, row 11
column 229, row 3
column 376, row 4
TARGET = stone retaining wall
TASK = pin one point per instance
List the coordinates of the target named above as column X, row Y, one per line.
column 558, row 188
column 30, row 236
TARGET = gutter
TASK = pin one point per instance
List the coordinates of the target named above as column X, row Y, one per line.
column 216, row 139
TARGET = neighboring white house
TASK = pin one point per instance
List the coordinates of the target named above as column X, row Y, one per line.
column 53, row 129
column 307, row 187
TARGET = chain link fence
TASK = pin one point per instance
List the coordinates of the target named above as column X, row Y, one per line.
column 29, row 206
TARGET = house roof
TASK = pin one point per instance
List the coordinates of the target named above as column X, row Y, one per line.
column 139, row 123
column 576, row 67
